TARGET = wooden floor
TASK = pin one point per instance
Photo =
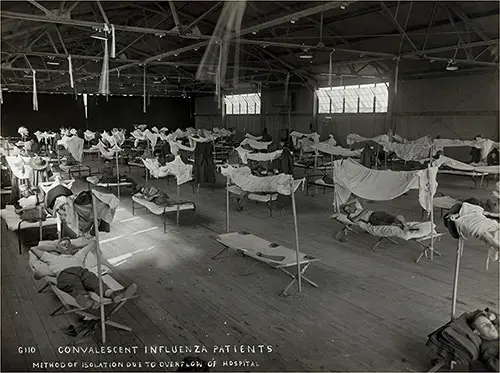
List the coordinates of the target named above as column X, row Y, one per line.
column 372, row 311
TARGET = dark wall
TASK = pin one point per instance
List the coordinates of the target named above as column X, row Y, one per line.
column 56, row 111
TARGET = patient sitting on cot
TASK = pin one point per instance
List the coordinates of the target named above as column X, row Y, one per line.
column 356, row 213
column 108, row 175
column 66, row 264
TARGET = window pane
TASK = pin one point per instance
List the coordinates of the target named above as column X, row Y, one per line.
column 351, row 99
column 242, row 104
column 337, row 95
column 366, row 94
column 381, row 98
column 323, row 101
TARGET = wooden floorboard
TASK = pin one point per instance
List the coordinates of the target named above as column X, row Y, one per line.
column 372, row 311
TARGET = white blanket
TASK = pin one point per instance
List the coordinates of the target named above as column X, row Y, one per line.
column 89, row 135
column 242, row 177
column 19, row 166
column 327, row 148
column 409, row 151
column 457, row 165
column 245, row 155
column 352, row 177
column 74, row 145
column 486, row 145
column 258, row 145
column 354, row 138
column 175, row 146
column 252, row 137
column 183, row 172
column 296, row 136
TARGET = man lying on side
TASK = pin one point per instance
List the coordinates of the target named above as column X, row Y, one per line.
column 67, row 264
column 355, row 212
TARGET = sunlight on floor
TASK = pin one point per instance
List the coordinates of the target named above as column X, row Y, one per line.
column 118, row 260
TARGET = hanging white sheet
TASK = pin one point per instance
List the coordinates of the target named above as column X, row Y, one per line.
column 74, row 145
column 296, row 136
column 183, row 172
column 486, row 145
column 252, row 137
column 353, row 178
column 175, row 146
column 89, row 135
column 257, row 145
column 354, row 138
column 243, row 178
column 246, row 155
column 19, row 166
column 409, row 151
column 457, row 165
column 326, row 147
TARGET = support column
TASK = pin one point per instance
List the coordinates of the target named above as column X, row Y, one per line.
column 393, row 93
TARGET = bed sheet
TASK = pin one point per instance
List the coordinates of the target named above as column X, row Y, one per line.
column 12, row 220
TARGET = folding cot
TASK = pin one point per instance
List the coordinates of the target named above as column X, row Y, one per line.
column 261, row 250
column 477, row 177
column 266, row 198
column 419, row 232
column 183, row 174
column 174, row 207
column 69, row 305
column 256, row 247
column 73, row 169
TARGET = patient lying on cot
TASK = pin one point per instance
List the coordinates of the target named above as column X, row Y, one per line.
column 356, row 213
column 72, row 278
column 485, row 325
column 151, row 194
column 108, row 175
column 257, row 170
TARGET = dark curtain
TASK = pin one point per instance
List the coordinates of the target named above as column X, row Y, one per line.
column 204, row 167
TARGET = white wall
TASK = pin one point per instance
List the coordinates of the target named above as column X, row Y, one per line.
column 460, row 107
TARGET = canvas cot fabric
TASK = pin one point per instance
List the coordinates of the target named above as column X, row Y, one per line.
column 204, row 167
column 353, row 178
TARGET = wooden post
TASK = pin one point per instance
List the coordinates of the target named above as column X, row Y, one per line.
column 99, row 269
column 118, row 173
column 99, row 161
column 40, row 210
column 178, row 200
column 227, row 204
column 455, row 278
column 297, row 247
column 432, row 205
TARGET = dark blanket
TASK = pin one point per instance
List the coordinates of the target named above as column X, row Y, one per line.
column 204, row 167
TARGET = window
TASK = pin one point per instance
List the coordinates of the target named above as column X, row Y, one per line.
column 364, row 98
column 242, row 104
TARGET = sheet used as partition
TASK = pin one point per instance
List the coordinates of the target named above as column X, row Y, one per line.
column 486, row 145
column 242, row 177
column 175, row 146
column 410, row 151
column 252, row 137
column 183, row 172
column 20, row 166
column 246, row 155
column 471, row 222
column 296, row 136
column 327, row 148
column 257, row 145
column 457, row 165
column 352, row 177
column 74, row 145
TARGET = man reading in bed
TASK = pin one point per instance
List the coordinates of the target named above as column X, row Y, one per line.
column 356, row 213
column 73, row 278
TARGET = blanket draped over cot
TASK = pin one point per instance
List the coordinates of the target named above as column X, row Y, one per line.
column 20, row 167
column 183, row 172
column 471, row 222
column 175, row 146
column 246, row 155
column 243, row 178
column 108, row 154
column 74, row 145
column 89, row 135
column 486, row 145
column 329, row 147
column 457, row 165
column 44, row 136
column 295, row 135
column 252, row 137
column 410, row 152
column 352, row 177
column 257, row 145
